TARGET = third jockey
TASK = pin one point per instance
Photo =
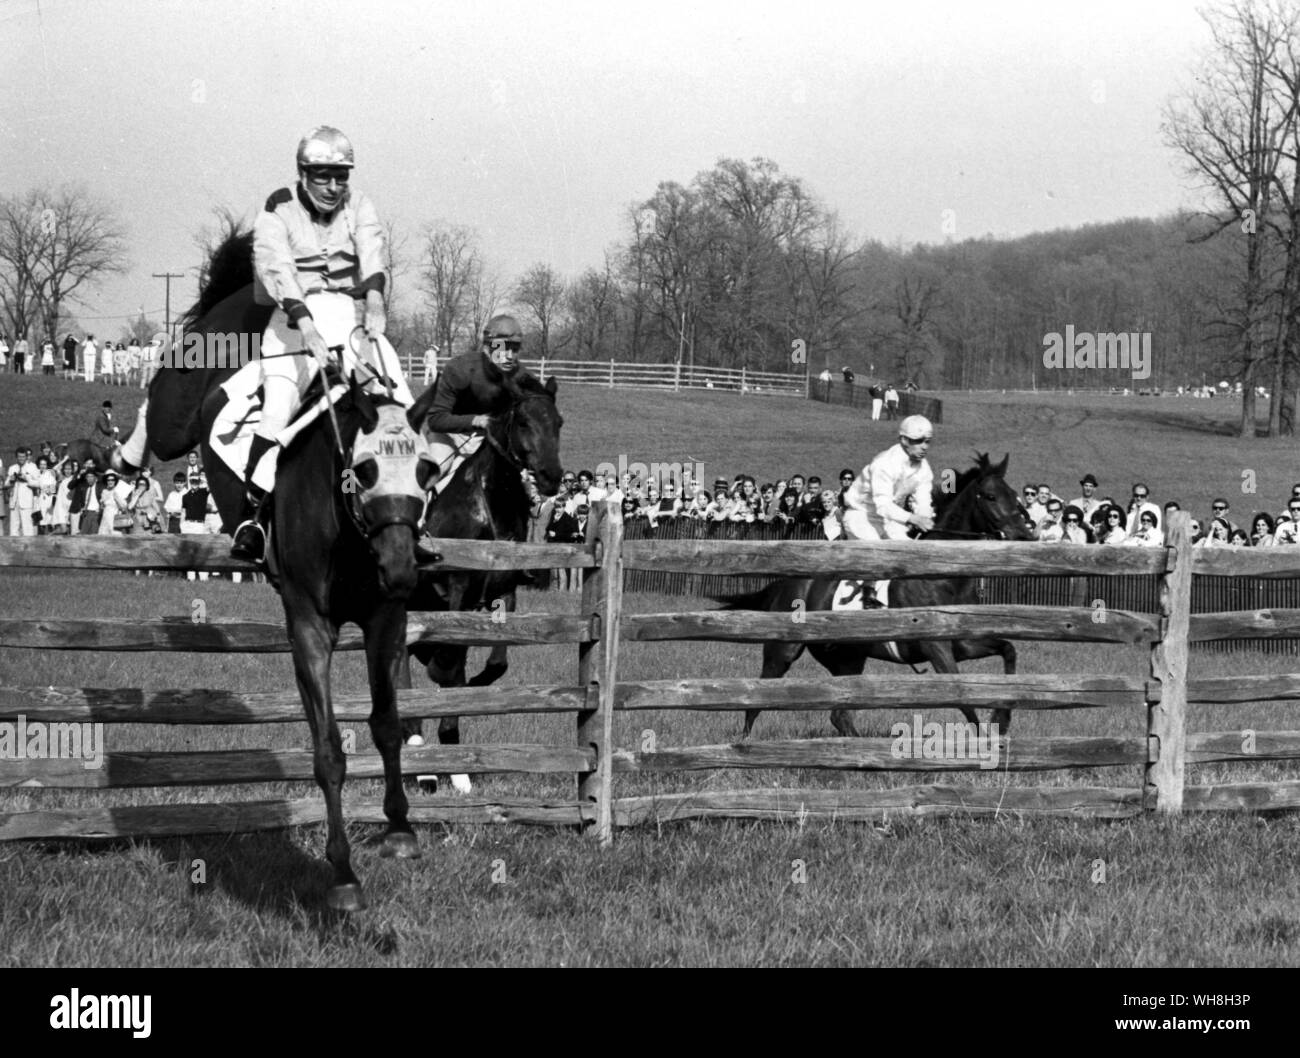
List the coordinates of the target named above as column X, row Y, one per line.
column 318, row 256
column 874, row 505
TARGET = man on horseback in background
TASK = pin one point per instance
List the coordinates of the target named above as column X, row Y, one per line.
column 318, row 250
column 469, row 391
column 874, row 504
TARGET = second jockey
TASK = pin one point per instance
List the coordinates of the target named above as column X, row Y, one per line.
column 318, row 256
column 469, row 390
column 875, row 504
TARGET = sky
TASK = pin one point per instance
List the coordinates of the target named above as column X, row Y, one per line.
column 540, row 124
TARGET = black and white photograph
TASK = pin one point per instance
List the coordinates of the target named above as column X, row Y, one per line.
column 664, row 484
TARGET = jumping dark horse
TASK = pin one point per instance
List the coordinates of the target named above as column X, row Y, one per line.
column 980, row 506
column 340, row 554
column 486, row 500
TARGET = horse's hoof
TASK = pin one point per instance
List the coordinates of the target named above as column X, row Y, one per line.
column 345, row 898
column 401, row 846
column 461, row 784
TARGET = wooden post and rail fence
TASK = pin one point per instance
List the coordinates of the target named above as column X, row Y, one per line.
column 601, row 630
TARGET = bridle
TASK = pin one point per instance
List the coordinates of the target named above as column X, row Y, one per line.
column 506, row 451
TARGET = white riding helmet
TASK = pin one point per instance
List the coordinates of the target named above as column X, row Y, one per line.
column 325, row 145
column 914, row 427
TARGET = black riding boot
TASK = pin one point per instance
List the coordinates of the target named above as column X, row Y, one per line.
column 250, row 538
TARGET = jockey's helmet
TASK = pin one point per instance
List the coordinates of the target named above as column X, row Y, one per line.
column 324, row 145
column 502, row 340
column 916, row 428
column 324, row 158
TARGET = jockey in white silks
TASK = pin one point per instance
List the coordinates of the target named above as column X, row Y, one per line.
column 318, row 256
column 874, row 505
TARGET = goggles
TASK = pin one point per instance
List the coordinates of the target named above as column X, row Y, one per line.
column 325, row 177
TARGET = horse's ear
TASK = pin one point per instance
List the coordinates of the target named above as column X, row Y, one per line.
column 493, row 373
column 551, row 385
column 1001, row 469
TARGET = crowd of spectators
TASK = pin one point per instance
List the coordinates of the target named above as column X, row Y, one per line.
column 1091, row 518
column 801, row 502
column 123, row 363
column 52, row 494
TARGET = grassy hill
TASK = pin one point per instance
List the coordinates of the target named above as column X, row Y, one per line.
column 1183, row 448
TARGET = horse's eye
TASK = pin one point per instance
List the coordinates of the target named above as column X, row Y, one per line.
column 367, row 472
column 426, row 473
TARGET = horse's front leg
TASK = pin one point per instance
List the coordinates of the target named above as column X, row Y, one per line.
column 313, row 638
column 385, row 635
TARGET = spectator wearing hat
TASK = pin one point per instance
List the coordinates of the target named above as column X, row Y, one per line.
column 1089, row 503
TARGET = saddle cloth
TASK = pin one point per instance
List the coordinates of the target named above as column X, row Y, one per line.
column 449, row 451
column 849, row 595
column 232, row 432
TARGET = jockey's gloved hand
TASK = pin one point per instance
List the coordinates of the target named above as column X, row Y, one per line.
column 312, row 340
column 481, row 422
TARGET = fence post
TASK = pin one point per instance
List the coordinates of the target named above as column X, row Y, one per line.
column 541, row 370
column 677, row 377
column 742, row 378
column 611, row 373
column 1167, row 718
column 602, row 603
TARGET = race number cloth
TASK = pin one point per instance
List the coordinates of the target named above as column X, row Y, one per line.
column 849, row 595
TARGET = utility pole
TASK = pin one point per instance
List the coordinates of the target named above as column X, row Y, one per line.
column 168, row 276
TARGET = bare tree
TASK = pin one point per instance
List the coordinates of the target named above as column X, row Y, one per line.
column 450, row 261
column 1232, row 130
column 54, row 242
column 593, row 309
column 542, row 292
column 484, row 294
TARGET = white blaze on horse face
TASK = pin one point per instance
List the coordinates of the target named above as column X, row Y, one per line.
column 396, row 450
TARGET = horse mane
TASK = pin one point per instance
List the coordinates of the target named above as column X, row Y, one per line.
column 228, row 268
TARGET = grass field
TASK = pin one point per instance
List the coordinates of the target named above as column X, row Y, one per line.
column 1194, row 891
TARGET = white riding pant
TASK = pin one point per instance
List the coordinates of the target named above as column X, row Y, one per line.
column 858, row 525
column 287, row 369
